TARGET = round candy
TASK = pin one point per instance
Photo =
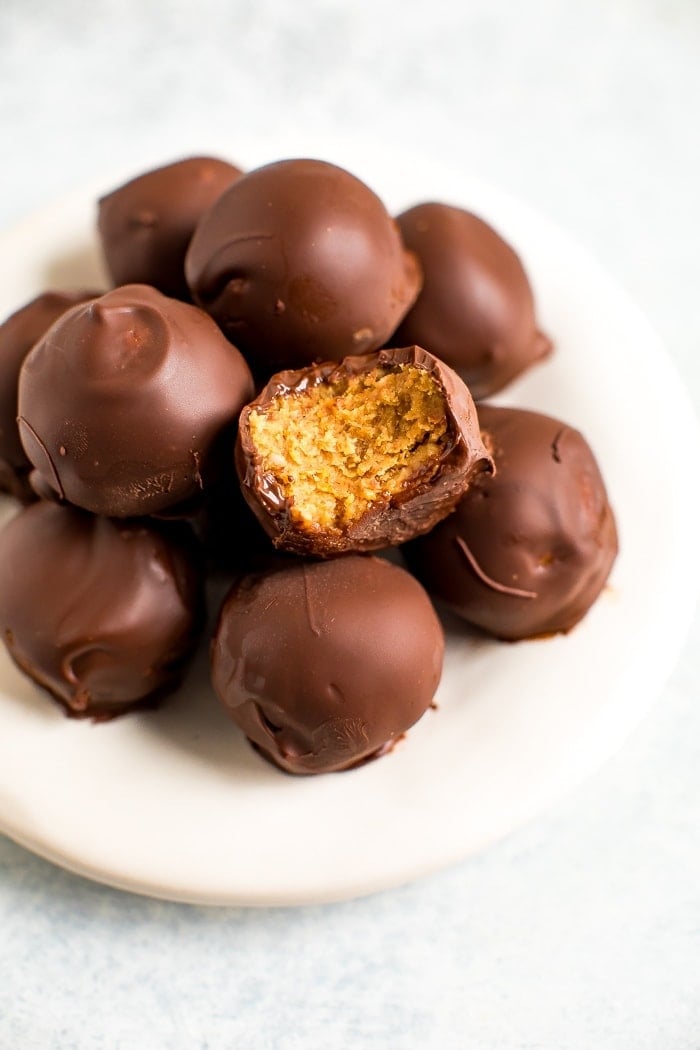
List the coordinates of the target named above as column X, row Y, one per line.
column 299, row 261
column 128, row 406
column 146, row 225
column 476, row 309
column 324, row 665
column 102, row 614
column 528, row 550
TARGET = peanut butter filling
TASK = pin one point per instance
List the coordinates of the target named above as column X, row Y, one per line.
column 335, row 450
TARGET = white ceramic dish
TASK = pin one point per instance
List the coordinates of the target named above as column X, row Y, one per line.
column 173, row 803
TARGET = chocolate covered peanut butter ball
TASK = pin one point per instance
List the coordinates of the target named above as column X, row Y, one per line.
column 476, row 309
column 102, row 614
column 128, row 406
column 358, row 455
column 146, row 225
column 299, row 261
column 527, row 551
column 324, row 665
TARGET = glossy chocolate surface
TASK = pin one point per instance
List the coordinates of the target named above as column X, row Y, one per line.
column 146, row 225
column 18, row 334
column 324, row 665
column 527, row 551
column 476, row 309
column 417, row 509
column 102, row 614
column 298, row 262
column 129, row 404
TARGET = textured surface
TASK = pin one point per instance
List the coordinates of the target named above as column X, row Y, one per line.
column 583, row 929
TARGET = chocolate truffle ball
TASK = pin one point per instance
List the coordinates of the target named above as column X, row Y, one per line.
column 299, row 261
column 324, row 665
column 102, row 614
column 18, row 335
column 527, row 551
column 146, row 225
column 476, row 309
column 128, row 405
column 359, row 455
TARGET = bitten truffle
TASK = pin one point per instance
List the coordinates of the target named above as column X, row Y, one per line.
column 102, row 614
column 358, row 455
column 527, row 551
column 476, row 309
column 146, row 225
column 18, row 335
column 298, row 262
column 128, row 405
column 324, row 665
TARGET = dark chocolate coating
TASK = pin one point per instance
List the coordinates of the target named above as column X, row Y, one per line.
column 476, row 309
column 146, row 225
column 298, row 262
column 527, row 551
column 102, row 614
column 324, row 665
column 18, row 335
column 389, row 523
column 128, row 405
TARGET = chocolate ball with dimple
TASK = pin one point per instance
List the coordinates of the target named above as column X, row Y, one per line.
column 476, row 309
column 325, row 665
column 128, row 406
column 102, row 614
column 299, row 261
column 18, row 334
column 527, row 551
column 146, row 225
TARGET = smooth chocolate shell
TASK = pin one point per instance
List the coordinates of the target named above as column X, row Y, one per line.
column 528, row 550
column 128, row 405
column 324, row 665
column 476, row 309
column 102, row 614
column 298, row 262
column 146, row 225
column 418, row 508
column 18, row 334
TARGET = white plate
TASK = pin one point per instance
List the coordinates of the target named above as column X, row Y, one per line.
column 174, row 803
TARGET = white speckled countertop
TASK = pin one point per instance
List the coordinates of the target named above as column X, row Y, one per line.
column 583, row 929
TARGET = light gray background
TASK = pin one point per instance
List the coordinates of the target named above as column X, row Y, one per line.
column 582, row 930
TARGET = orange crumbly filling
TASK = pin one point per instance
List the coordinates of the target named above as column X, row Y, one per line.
column 336, row 449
